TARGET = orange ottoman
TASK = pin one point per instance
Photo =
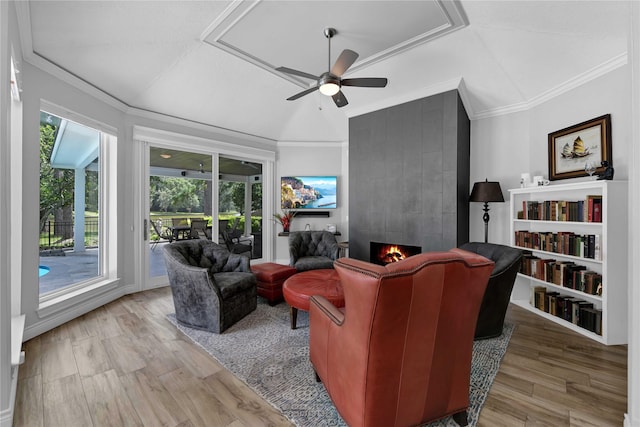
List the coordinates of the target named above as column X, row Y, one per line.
column 299, row 288
column 270, row 278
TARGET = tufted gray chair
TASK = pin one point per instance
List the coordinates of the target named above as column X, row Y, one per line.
column 312, row 250
column 212, row 288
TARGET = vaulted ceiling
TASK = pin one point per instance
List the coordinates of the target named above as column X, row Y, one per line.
column 213, row 62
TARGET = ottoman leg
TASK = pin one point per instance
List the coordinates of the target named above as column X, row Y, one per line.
column 294, row 316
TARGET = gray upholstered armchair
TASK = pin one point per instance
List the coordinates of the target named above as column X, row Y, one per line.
column 312, row 250
column 212, row 288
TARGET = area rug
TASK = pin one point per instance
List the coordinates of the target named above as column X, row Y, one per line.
column 264, row 352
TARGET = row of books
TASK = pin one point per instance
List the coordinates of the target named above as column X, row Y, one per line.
column 563, row 242
column 588, row 210
column 562, row 273
column 574, row 310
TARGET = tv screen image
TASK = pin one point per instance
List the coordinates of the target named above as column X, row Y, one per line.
column 308, row 192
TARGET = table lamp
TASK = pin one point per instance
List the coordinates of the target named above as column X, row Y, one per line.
column 486, row 192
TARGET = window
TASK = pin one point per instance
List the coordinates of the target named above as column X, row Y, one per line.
column 73, row 225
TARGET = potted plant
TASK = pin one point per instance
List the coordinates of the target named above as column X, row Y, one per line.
column 285, row 219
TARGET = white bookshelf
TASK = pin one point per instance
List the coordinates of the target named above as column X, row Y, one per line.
column 612, row 266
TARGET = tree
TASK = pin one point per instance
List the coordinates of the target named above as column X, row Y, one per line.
column 91, row 192
column 256, row 196
column 237, row 196
column 225, row 196
column 56, row 185
column 232, row 195
column 174, row 193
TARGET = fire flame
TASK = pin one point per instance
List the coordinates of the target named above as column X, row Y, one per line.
column 393, row 254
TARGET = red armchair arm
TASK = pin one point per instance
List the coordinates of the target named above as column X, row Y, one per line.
column 331, row 311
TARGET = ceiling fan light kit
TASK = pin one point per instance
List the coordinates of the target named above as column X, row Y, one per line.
column 330, row 82
column 329, row 85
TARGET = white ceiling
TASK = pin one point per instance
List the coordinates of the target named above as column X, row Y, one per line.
column 212, row 61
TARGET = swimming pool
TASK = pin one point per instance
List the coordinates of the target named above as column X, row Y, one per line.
column 42, row 270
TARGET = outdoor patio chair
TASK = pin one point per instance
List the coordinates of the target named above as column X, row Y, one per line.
column 199, row 229
column 236, row 248
column 163, row 234
column 235, row 233
column 223, row 224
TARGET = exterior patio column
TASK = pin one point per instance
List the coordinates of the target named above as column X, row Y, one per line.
column 247, row 207
column 78, row 208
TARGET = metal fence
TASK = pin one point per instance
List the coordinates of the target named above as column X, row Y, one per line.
column 59, row 234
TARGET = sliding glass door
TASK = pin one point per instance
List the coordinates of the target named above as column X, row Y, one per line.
column 182, row 185
column 240, row 203
column 180, row 191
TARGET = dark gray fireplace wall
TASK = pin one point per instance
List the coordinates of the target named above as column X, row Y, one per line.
column 409, row 175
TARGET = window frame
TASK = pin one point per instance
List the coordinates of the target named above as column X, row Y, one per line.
column 106, row 279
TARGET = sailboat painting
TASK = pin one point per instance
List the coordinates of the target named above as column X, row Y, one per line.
column 575, row 150
column 570, row 148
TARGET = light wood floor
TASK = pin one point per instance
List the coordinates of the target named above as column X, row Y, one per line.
column 125, row 364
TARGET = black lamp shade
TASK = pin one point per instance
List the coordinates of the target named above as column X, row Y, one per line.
column 486, row 192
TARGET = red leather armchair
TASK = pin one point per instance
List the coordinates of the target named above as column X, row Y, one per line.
column 399, row 352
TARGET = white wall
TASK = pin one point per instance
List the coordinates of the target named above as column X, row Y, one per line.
column 5, row 285
column 39, row 85
column 503, row 147
column 307, row 158
column 9, row 45
column 632, row 417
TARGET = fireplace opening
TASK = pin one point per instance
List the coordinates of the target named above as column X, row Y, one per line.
column 386, row 253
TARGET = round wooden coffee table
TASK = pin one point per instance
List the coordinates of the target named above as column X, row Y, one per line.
column 298, row 288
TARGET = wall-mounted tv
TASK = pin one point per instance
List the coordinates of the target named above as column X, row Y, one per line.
column 308, row 192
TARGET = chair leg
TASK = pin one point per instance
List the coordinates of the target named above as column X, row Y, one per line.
column 294, row 317
column 461, row 418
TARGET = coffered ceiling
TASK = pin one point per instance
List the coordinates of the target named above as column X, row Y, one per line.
column 212, row 62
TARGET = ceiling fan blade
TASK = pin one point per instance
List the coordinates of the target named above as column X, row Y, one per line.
column 303, row 93
column 365, row 82
column 297, row 73
column 344, row 61
column 340, row 99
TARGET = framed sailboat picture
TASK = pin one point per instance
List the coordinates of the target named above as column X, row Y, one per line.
column 573, row 149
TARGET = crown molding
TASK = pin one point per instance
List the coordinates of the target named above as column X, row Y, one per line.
column 315, row 144
column 574, row 82
column 217, row 131
column 160, row 136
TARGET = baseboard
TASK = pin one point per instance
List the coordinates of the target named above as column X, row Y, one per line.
column 630, row 423
column 69, row 313
column 6, row 415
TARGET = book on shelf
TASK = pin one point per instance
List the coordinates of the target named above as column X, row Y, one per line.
column 567, row 274
column 568, row 308
column 562, row 242
column 588, row 210
column 576, row 305
column 537, row 293
column 563, row 307
column 591, row 319
column 551, row 305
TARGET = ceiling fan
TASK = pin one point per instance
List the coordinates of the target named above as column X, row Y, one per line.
column 329, row 83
